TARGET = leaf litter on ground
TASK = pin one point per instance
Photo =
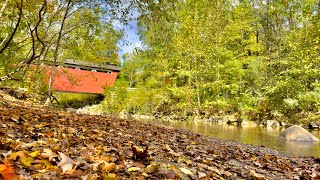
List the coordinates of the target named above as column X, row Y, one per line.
column 42, row 143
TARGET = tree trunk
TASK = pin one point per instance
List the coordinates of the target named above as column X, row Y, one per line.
column 56, row 54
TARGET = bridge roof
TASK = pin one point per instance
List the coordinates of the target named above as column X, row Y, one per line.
column 100, row 67
column 103, row 67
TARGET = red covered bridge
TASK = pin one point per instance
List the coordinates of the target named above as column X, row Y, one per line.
column 83, row 77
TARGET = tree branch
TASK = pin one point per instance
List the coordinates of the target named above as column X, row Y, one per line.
column 75, row 27
column 15, row 29
column 44, row 6
column 25, row 64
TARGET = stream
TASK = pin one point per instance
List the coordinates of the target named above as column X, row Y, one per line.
column 257, row 136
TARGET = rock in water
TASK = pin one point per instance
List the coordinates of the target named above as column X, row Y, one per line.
column 297, row 133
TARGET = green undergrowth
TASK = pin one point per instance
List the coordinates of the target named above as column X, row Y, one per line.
column 76, row 100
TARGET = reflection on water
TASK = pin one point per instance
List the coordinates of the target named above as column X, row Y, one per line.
column 257, row 136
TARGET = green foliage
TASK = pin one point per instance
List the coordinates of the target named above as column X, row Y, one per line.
column 260, row 59
column 33, row 32
column 121, row 98
column 35, row 81
column 75, row 100
column 140, row 101
column 310, row 101
column 93, row 40
column 115, row 97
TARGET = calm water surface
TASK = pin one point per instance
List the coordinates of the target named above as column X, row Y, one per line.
column 265, row 136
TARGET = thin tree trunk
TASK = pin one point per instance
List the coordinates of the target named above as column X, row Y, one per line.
column 131, row 79
column 198, row 95
column 3, row 8
column 56, row 53
column 4, row 40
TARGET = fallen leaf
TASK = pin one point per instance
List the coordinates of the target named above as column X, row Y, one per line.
column 152, row 168
column 42, row 171
column 201, row 175
column 188, row 162
column 167, row 147
column 56, row 148
column 34, row 154
column 227, row 173
column 110, row 167
column 256, row 176
column 50, row 134
column 186, row 171
column 36, row 167
column 7, row 172
column 110, row 177
column 47, row 163
column 26, row 161
column 257, row 164
column 171, row 174
column 48, row 153
column 14, row 156
column 139, row 153
column 3, row 168
column 66, row 163
column 85, row 177
column 7, row 153
column 37, row 175
column 70, row 171
column 214, row 170
column 134, row 169
column 89, row 176
column 136, row 164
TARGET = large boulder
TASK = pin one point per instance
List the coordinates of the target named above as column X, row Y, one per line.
column 297, row 133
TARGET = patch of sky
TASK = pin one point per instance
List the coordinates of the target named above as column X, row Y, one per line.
column 130, row 40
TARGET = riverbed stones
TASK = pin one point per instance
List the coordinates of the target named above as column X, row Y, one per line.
column 270, row 123
column 233, row 122
column 249, row 123
column 314, row 125
column 91, row 110
column 71, row 110
column 297, row 133
column 283, row 124
column 245, row 123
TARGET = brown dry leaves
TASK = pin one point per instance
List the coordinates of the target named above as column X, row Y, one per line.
column 41, row 143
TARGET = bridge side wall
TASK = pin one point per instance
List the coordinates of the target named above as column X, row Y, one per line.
column 81, row 81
